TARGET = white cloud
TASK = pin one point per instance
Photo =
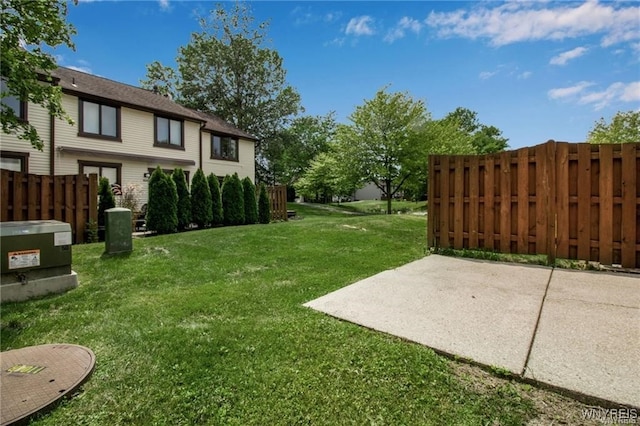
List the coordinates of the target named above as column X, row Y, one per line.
column 525, row 75
column 527, row 21
column 484, row 75
column 338, row 41
column 164, row 5
column 405, row 24
column 359, row 26
column 565, row 92
column 615, row 92
column 81, row 69
column 565, row 57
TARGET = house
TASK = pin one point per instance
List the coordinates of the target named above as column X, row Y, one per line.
column 123, row 133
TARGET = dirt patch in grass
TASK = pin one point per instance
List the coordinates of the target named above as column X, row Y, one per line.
column 552, row 408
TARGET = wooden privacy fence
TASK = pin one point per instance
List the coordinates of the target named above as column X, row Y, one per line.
column 278, row 199
column 72, row 199
column 572, row 201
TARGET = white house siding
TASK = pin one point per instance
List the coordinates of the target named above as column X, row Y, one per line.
column 38, row 162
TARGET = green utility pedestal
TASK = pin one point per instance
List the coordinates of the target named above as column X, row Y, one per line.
column 117, row 231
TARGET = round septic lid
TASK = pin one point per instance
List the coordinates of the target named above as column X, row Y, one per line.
column 35, row 377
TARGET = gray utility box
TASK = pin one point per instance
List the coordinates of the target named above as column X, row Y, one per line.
column 117, row 230
column 35, row 258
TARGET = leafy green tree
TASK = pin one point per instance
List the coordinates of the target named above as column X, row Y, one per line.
column 232, row 200
column 264, row 205
column 184, row 198
column 201, row 205
column 290, row 152
column 106, row 199
column 623, row 128
column 161, row 79
column 216, row 200
column 162, row 207
column 485, row 139
column 250, row 202
column 26, row 29
column 326, row 177
column 226, row 69
column 380, row 144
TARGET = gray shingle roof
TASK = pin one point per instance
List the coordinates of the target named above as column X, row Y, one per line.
column 82, row 84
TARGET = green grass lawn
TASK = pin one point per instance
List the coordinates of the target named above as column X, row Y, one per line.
column 380, row 207
column 208, row 327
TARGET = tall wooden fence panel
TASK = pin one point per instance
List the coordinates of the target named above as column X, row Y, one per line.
column 573, row 201
column 278, row 198
column 72, row 199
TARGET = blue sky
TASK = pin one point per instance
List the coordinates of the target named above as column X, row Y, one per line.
column 536, row 70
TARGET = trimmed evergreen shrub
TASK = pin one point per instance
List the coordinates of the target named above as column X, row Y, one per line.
column 201, row 213
column 216, row 200
column 232, row 200
column 106, row 199
column 162, row 207
column 264, row 205
column 184, row 198
column 250, row 202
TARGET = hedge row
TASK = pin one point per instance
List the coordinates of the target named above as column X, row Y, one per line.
column 172, row 207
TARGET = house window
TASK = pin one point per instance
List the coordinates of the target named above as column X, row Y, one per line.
column 13, row 103
column 224, row 148
column 112, row 171
column 14, row 161
column 99, row 120
column 169, row 132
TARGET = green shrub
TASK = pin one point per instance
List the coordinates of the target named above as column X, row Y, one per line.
column 216, row 200
column 184, row 199
column 162, row 207
column 250, row 202
column 264, row 205
column 232, row 200
column 201, row 213
column 106, row 199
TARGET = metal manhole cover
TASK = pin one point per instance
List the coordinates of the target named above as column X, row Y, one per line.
column 35, row 377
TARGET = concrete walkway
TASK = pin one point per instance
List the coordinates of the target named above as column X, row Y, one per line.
column 573, row 330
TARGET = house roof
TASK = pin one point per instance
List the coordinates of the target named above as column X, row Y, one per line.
column 88, row 85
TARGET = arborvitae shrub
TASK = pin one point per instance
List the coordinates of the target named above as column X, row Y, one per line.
column 106, row 200
column 201, row 213
column 250, row 202
column 264, row 205
column 216, row 200
column 232, row 200
column 162, row 207
column 184, row 198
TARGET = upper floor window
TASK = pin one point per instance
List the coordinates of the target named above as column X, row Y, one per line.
column 224, row 148
column 12, row 102
column 169, row 132
column 99, row 120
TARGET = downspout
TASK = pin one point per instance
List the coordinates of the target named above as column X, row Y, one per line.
column 52, row 145
column 200, row 150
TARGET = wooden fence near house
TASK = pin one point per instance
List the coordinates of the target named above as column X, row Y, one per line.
column 571, row 201
column 278, row 199
column 71, row 198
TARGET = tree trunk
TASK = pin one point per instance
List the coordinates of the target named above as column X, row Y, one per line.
column 387, row 184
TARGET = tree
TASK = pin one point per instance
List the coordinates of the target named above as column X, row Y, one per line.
column 162, row 210
column 160, row 79
column 264, row 205
column 26, row 28
column 380, row 142
column 216, row 200
column 106, row 200
column 226, row 70
column 290, row 152
column 623, row 128
column 201, row 206
column 485, row 139
column 184, row 199
column 250, row 202
column 232, row 200
column 326, row 177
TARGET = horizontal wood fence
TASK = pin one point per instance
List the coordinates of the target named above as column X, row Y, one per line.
column 571, row 201
column 72, row 199
column 278, row 199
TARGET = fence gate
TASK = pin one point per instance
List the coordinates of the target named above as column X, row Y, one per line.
column 572, row 201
